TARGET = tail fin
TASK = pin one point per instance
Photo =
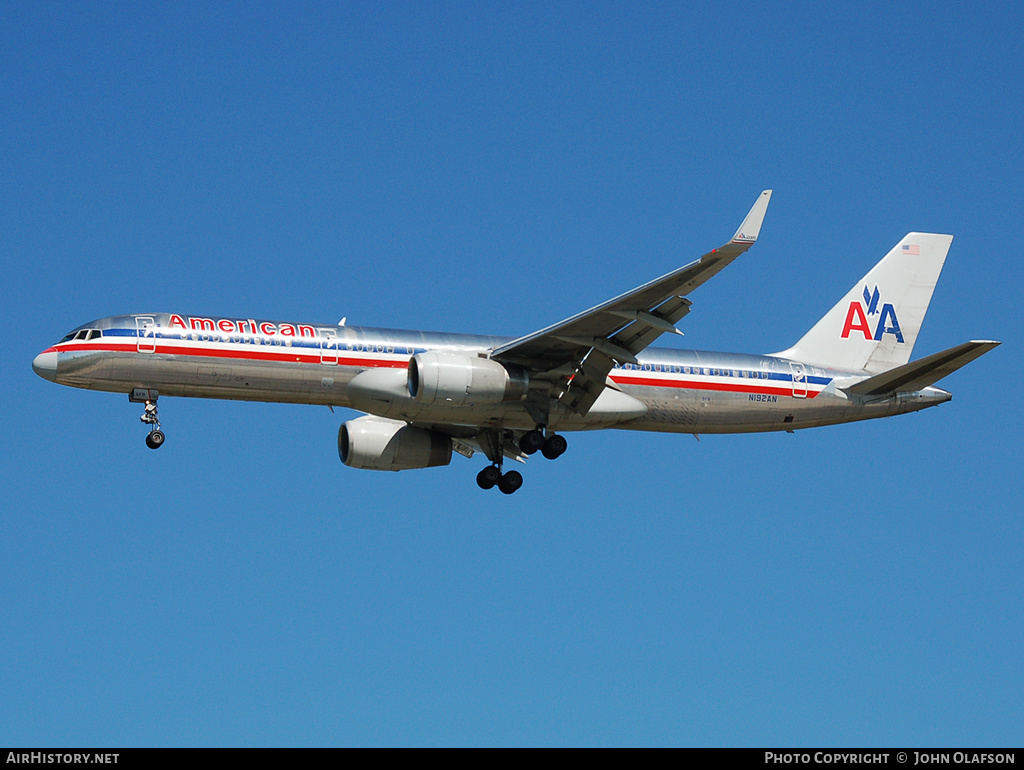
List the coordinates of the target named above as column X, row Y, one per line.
column 874, row 327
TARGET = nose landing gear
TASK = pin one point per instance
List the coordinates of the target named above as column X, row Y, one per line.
column 149, row 417
column 156, row 437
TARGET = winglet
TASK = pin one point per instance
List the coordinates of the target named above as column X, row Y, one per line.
column 752, row 224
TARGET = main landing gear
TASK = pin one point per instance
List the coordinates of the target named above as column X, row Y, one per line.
column 552, row 446
column 149, row 417
column 492, row 476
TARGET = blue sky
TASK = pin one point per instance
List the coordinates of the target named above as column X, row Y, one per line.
column 495, row 168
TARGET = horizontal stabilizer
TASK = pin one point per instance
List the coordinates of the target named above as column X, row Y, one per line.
column 920, row 374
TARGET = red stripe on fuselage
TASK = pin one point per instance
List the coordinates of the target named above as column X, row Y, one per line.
column 725, row 387
column 283, row 355
column 289, row 355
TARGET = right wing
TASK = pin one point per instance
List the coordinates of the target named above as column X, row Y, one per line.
column 579, row 352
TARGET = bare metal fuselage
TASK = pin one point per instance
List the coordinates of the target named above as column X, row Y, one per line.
column 668, row 390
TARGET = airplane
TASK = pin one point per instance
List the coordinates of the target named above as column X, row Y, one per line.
column 427, row 395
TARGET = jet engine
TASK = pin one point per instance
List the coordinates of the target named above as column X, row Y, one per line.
column 457, row 379
column 377, row 444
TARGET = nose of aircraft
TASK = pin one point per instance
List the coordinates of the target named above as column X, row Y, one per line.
column 45, row 365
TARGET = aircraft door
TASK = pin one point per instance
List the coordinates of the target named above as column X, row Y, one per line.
column 328, row 346
column 799, row 372
column 145, row 333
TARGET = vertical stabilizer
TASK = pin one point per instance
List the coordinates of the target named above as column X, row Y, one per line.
column 874, row 327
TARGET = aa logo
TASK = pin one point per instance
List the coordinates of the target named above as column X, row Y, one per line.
column 859, row 312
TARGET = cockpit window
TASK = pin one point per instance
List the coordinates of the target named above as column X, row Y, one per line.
column 82, row 334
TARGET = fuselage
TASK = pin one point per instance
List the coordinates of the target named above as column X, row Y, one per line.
column 670, row 390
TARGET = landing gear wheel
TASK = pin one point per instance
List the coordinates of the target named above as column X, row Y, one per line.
column 554, row 446
column 488, row 477
column 149, row 417
column 510, row 482
column 531, row 442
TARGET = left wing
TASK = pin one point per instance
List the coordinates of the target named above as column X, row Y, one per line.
column 579, row 352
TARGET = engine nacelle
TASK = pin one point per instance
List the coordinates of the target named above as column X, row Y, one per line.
column 456, row 379
column 377, row 444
